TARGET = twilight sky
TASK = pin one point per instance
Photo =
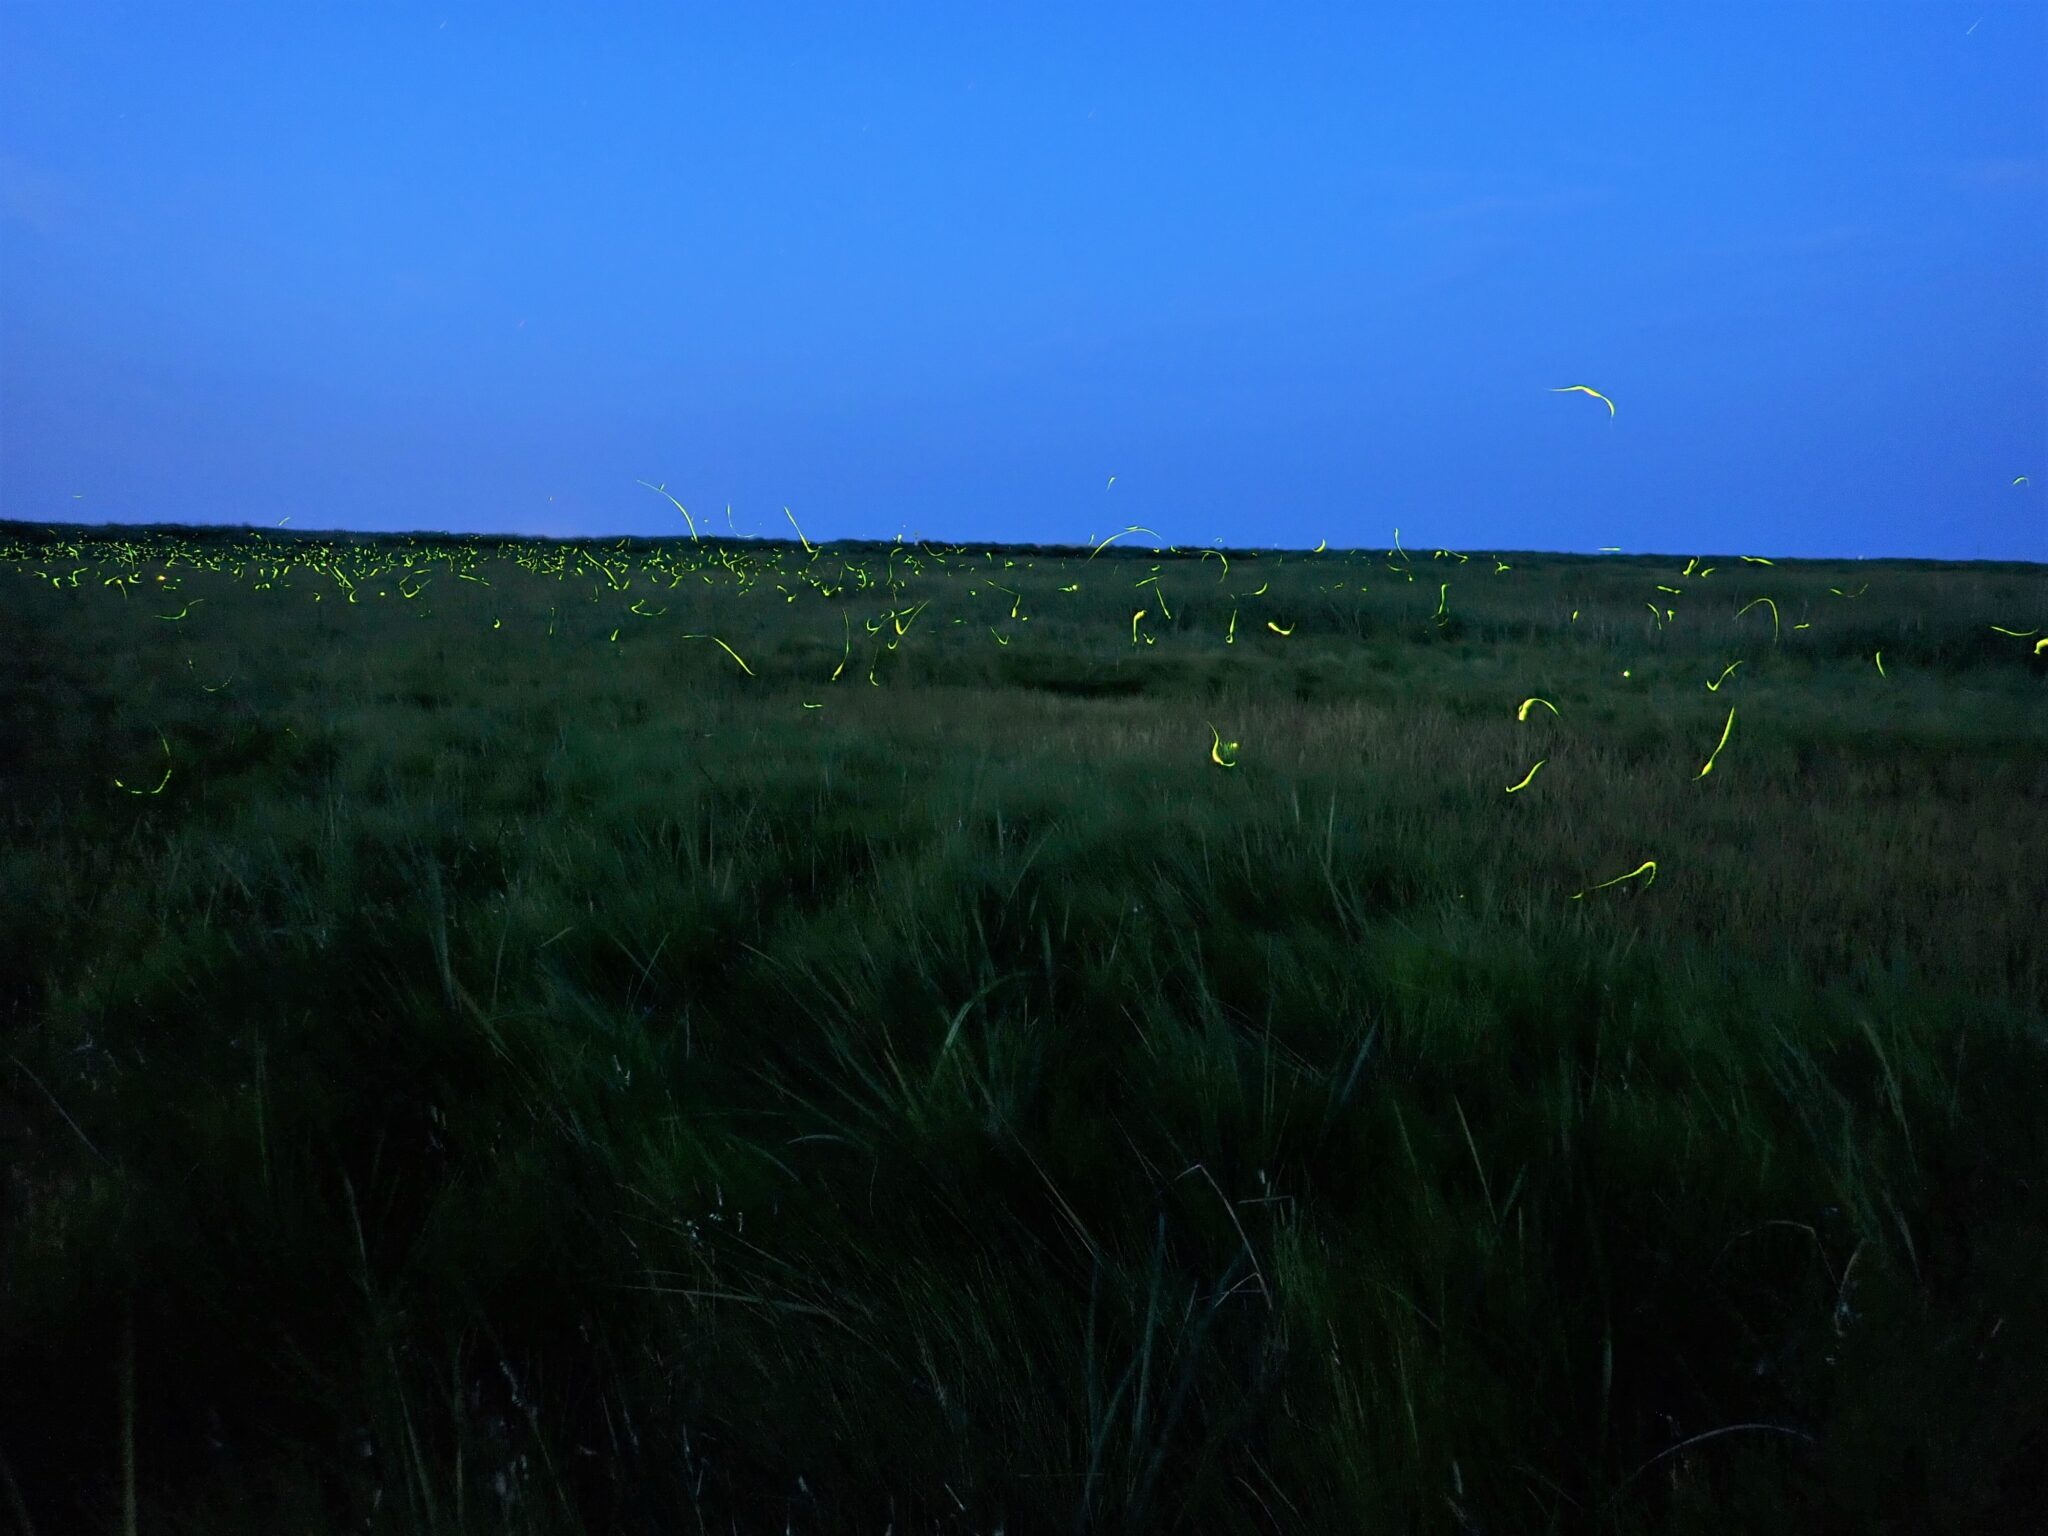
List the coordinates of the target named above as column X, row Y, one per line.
column 946, row 268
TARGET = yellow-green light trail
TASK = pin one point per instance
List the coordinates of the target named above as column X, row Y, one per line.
column 799, row 532
column 1586, row 389
column 735, row 655
column 1219, row 746
column 1098, row 549
column 1649, row 864
column 160, row 783
column 1717, row 746
column 1768, row 604
column 662, row 489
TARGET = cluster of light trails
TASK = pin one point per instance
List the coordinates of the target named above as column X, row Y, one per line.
column 641, row 583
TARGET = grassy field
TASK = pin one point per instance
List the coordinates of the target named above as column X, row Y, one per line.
column 484, row 1053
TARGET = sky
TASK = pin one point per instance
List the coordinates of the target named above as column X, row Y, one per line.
column 943, row 270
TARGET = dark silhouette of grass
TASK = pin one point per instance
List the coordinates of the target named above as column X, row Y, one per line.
column 524, row 1081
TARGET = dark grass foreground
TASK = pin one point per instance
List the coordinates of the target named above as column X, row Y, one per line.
column 522, row 1072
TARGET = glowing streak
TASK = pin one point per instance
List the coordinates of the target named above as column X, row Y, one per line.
column 1074, row 588
column 999, row 639
column 663, row 490
column 160, row 783
column 1584, row 389
column 799, row 532
column 1159, row 592
column 1767, row 603
column 1230, row 635
column 1715, row 686
column 1320, row 547
column 1649, row 864
column 1278, row 630
column 735, row 655
column 1443, row 598
column 2019, row 480
column 174, row 617
column 2017, row 634
column 814, row 706
column 1134, row 625
column 1878, row 657
column 849, row 647
column 1112, row 481
column 1098, row 549
column 1523, row 712
column 1262, row 589
column 1717, row 747
column 1219, row 746
column 1758, row 560
column 1527, row 776
column 2040, row 646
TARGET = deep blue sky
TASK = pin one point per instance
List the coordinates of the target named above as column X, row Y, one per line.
column 945, row 269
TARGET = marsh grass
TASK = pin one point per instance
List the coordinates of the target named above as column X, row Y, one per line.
column 525, row 1081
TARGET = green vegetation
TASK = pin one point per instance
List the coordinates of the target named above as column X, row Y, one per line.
column 524, row 1071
